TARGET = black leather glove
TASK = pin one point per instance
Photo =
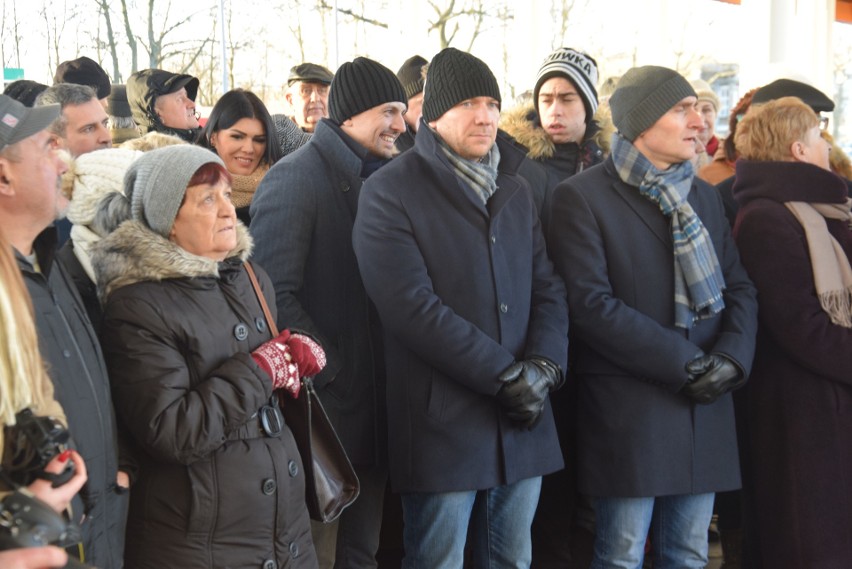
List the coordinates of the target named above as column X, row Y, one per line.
column 525, row 388
column 711, row 376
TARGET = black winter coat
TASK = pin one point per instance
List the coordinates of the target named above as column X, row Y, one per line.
column 638, row 436
column 463, row 290
column 213, row 490
column 75, row 364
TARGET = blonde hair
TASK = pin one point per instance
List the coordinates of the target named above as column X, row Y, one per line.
column 23, row 379
column 768, row 131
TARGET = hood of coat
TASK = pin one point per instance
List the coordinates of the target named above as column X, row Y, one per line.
column 133, row 253
column 522, row 124
column 145, row 86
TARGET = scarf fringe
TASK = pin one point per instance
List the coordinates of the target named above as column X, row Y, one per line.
column 838, row 305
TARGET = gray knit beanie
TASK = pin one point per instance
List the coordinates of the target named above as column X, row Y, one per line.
column 455, row 76
column 156, row 183
column 360, row 85
column 643, row 95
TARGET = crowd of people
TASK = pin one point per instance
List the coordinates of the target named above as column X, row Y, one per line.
column 427, row 251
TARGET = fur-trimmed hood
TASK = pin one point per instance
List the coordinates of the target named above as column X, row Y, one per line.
column 133, row 253
column 521, row 123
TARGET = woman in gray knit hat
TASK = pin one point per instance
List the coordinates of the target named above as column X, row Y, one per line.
column 197, row 376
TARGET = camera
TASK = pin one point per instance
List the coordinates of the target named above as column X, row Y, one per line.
column 29, row 445
column 26, row 521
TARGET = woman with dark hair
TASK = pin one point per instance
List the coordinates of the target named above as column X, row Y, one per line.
column 241, row 132
column 793, row 233
column 197, row 376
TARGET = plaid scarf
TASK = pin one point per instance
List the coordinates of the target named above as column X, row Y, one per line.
column 698, row 278
column 481, row 175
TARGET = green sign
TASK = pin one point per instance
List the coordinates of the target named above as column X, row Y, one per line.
column 12, row 74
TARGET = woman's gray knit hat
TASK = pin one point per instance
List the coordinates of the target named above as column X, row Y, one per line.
column 643, row 95
column 156, row 183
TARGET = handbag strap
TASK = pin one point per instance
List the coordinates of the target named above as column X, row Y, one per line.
column 261, row 299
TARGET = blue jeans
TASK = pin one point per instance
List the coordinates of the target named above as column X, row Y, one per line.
column 678, row 527
column 436, row 527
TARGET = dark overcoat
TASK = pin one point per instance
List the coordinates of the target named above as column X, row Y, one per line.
column 637, row 435
column 463, row 290
column 76, row 366
column 302, row 217
column 799, row 397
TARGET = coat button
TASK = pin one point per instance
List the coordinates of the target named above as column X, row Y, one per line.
column 269, row 564
column 293, row 468
column 504, row 308
column 240, row 331
column 269, row 486
column 260, row 324
column 66, row 353
column 344, row 186
column 294, row 549
column 494, row 239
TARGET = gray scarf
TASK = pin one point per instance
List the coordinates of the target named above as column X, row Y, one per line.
column 480, row 175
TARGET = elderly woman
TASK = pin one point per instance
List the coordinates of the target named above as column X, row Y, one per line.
column 793, row 232
column 197, row 377
column 241, row 132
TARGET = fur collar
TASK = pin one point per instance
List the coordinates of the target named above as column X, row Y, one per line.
column 133, row 253
column 521, row 124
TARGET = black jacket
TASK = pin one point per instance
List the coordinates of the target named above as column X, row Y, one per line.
column 75, row 363
column 213, row 490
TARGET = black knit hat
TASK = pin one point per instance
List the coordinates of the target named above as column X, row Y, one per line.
column 643, row 95
column 24, row 91
column 411, row 76
column 83, row 71
column 811, row 96
column 362, row 84
column 455, row 76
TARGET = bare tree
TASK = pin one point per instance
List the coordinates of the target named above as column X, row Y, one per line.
column 356, row 16
column 130, row 37
column 56, row 18
column 103, row 6
column 447, row 18
column 561, row 13
column 10, row 29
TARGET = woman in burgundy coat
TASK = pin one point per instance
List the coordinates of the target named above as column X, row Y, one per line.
column 793, row 231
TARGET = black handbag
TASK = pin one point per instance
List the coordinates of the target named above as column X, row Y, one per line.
column 330, row 481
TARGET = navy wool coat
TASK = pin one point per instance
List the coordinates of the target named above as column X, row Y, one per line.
column 637, row 435
column 302, row 216
column 463, row 289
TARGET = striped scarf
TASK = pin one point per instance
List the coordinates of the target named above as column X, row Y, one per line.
column 698, row 280
column 481, row 175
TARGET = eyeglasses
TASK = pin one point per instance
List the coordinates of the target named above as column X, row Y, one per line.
column 823, row 123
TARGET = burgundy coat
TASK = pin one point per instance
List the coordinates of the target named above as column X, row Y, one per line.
column 799, row 397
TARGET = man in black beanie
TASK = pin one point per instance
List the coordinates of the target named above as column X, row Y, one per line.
column 302, row 216
column 411, row 77
column 84, row 71
column 663, row 322
column 451, row 252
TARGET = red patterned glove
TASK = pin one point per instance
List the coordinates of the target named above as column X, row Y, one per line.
column 275, row 358
column 307, row 353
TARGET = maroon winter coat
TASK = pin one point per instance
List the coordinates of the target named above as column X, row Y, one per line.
column 800, row 392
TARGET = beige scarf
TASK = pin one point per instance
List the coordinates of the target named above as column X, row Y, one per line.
column 243, row 187
column 832, row 272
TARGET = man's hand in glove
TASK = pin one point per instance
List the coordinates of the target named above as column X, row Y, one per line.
column 525, row 388
column 711, row 376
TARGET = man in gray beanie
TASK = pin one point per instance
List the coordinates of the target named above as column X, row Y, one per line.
column 451, row 252
column 301, row 220
column 663, row 328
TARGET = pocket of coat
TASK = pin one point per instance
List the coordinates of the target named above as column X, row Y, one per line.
column 435, row 396
column 202, row 492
